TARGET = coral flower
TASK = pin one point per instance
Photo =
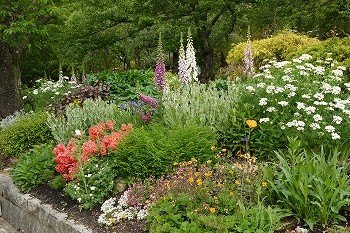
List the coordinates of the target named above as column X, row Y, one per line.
column 251, row 123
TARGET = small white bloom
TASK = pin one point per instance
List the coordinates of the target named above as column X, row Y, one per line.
column 317, row 117
column 315, row 126
column 78, row 133
column 337, row 119
column 250, row 88
column 25, row 97
column 300, row 105
column 304, row 73
column 341, row 68
column 305, row 96
column 271, row 109
column 35, row 91
column 319, row 96
column 305, row 57
column 330, row 129
column 266, row 119
column 335, row 136
column 263, row 101
column 92, row 188
column 261, row 85
column 337, row 72
column 283, row 103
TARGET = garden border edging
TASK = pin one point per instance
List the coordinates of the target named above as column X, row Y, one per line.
column 27, row 214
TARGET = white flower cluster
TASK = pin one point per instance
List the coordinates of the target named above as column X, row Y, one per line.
column 113, row 214
column 298, row 124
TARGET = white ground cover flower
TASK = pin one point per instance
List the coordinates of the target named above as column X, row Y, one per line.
column 250, row 88
column 305, row 57
column 281, row 64
column 319, row 96
column 113, row 214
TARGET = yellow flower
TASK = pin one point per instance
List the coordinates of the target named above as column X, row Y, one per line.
column 112, row 220
column 193, row 159
column 237, row 182
column 251, row 123
column 213, row 148
column 164, row 198
column 209, row 162
column 147, row 201
column 219, row 184
column 124, row 216
column 199, row 181
column 191, row 180
column 196, row 173
column 231, row 172
column 207, row 174
column 223, row 150
column 231, row 194
column 212, row 210
column 248, row 180
column 176, row 163
column 264, row 184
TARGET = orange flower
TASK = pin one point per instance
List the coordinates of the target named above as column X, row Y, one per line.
column 212, row 210
column 251, row 123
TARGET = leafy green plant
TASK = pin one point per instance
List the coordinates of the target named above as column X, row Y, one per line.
column 34, row 167
column 93, row 182
column 186, row 214
column 126, row 86
column 23, row 133
column 312, row 186
column 149, row 151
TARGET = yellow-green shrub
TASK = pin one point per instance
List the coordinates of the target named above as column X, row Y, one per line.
column 335, row 48
column 25, row 132
column 278, row 47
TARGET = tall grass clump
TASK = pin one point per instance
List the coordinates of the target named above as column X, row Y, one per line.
column 311, row 185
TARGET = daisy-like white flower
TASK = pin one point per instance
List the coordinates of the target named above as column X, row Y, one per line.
column 337, row 119
column 266, row 119
column 317, row 117
column 335, row 136
column 283, row 103
column 330, row 129
column 263, row 101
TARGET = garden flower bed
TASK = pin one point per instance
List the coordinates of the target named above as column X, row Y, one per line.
column 264, row 154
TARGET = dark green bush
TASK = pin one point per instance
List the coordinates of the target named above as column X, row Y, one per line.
column 78, row 96
column 25, row 132
column 149, row 151
column 126, row 86
column 34, row 167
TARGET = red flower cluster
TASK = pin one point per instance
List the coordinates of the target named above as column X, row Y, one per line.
column 69, row 158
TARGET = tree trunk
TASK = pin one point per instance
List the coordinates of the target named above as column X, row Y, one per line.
column 10, row 80
column 207, row 72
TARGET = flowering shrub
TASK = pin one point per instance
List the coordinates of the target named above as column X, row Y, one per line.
column 101, row 139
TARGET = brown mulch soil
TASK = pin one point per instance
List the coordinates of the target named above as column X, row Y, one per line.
column 61, row 202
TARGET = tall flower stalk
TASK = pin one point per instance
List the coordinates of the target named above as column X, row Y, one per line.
column 248, row 57
column 182, row 64
column 159, row 74
column 191, row 64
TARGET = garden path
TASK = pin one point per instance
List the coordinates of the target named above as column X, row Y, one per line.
column 6, row 227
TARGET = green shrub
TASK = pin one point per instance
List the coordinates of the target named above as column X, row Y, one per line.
column 278, row 47
column 34, row 167
column 312, row 186
column 150, row 151
column 23, row 133
column 126, row 86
